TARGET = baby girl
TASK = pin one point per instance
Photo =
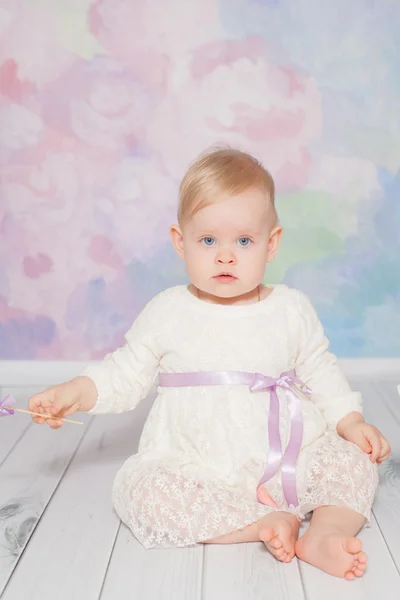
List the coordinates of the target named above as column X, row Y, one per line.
column 254, row 424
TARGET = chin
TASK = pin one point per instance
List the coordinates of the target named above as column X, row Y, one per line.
column 231, row 290
column 234, row 291
column 224, row 293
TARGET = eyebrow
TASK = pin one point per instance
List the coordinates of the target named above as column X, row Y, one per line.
column 241, row 232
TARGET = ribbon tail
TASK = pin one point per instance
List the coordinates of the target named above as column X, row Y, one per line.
column 275, row 444
column 292, row 450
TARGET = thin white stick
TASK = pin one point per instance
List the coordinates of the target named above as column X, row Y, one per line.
column 28, row 412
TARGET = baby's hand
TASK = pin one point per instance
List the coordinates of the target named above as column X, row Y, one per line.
column 369, row 439
column 58, row 401
column 63, row 400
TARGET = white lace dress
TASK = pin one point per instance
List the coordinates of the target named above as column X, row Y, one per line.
column 203, row 449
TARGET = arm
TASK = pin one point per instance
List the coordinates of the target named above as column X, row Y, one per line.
column 341, row 407
column 126, row 376
column 318, row 368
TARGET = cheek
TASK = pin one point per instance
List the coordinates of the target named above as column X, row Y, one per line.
column 255, row 252
column 255, row 259
column 262, row 253
column 191, row 252
column 196, row 258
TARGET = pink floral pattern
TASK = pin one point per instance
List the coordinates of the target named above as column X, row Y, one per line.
column 103, row 105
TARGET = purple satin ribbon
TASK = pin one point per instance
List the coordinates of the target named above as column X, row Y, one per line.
column 257, row 382
column 5, row 411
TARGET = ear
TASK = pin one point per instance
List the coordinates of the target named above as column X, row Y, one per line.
column 177, row 240
column 273, row 242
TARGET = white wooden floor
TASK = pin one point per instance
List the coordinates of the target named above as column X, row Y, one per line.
column 60, row 539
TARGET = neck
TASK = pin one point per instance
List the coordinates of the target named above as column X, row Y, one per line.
column 244, row 299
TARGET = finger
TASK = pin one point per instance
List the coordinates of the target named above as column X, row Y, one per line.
column 38, row 419
column 365, row 445
column 36, row 401
column 375, row 441
column 384, row 454
column 63, row 411
column 381, row 458
column 62, row 407
column 55, row 423
column 362, row 442
column 41, row 400
column 70, row 410
column 385, row 451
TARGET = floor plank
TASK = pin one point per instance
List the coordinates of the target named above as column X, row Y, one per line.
column 380, row 580
column 173, row 574
column 164, row 574
column 29, row 476
column 12, row 431
column 68, row 555
column 382, row 409
column 249, row 572
column 382, row 577
column 80, row 551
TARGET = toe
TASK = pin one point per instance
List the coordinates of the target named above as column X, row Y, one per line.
column 279, row 541
column 272, row 541
column 349, row 576
column 353, row 545
column 360, row 564
column 358, row 572
column 288, row 540
column 288, row 558
column 362, row 558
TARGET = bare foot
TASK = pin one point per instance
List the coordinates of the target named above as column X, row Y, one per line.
column 279, row 534
column 333, row 553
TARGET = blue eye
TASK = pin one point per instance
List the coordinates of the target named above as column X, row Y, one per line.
column 244, row 241
column 208, row 241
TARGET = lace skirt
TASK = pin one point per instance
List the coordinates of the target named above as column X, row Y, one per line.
column 165, row 508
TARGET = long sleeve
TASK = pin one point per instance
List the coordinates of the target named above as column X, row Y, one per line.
column 125, row 377
column 318, row 368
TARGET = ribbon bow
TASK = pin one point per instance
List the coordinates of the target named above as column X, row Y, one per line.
column 258, row 382
column 5, row 409
column 294, row 388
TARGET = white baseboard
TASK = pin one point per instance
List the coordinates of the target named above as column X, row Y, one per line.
column 44, row 373
column 371, row 367
column 37, row 372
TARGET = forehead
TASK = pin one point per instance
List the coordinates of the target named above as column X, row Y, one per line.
column 246, row 211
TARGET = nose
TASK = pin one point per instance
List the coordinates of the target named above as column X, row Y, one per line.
column 226, row 257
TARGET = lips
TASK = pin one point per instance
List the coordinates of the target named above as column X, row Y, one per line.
column 227, row 276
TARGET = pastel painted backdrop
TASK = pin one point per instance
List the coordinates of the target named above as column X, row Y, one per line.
column 105, row 102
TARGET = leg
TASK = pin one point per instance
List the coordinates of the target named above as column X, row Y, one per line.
column 337, row 473
column 341, row 484
column 165, row 508
column 278, row 530
column 330, row 545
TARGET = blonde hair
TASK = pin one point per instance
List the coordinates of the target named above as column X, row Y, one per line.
column 219, row 173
